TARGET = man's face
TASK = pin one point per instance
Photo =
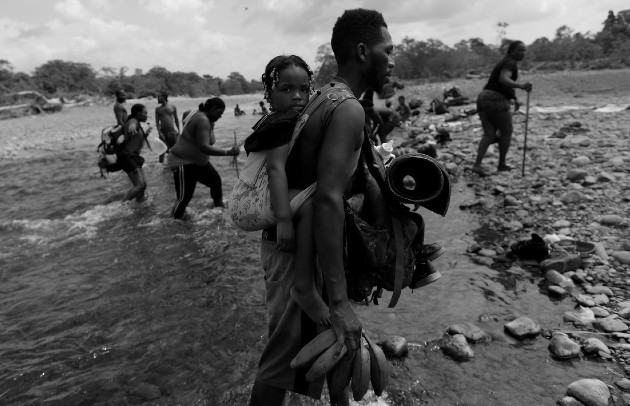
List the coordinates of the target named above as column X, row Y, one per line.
column 121, row 97
column 161, row 99
column 519, row 52
column 380, row 62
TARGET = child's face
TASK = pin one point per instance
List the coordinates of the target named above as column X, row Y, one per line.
column 291, row 91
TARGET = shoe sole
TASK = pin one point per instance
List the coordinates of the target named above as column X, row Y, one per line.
column 436, row 254
column 433, row 277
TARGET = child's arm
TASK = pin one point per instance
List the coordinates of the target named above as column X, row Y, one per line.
column 279, row 190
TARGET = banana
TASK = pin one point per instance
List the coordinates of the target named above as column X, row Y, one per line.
column 379, row 367
column 314, row 348
column 341, row 374
column 361, row 371
column 325, row 362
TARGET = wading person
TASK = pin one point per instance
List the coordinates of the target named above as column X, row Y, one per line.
column 119, row 107
column 190, row 156
column 166, row 122
column 328, row 155
column 493, row 106
column 128, row 153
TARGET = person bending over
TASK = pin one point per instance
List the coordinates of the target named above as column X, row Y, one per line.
column 190, row 156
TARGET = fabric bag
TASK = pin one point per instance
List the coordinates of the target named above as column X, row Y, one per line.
column 250, row 200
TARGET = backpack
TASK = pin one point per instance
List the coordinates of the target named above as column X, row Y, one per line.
column 383, row 236
column 112, row 138
column 250, row 200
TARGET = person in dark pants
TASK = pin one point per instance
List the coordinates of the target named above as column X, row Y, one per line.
column 493, row 106
column 190, row 156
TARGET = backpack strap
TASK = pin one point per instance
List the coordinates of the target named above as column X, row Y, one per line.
column 400, row 265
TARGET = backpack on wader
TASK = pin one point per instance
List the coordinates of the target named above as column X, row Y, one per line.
column 112, row 138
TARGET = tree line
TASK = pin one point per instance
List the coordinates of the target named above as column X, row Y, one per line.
column 428, row 60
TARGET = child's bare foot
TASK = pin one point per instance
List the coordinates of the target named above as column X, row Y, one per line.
column 312, row 304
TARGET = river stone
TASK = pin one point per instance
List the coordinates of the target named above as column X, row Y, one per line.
column 487, row 252
column 394, row 346
column 616, row 161
column 623, row 384
column 605, row 177
column 594, row 345
column 557, row 292
column 561, row 224
column 561, row 346
column 457, row 347
column 575, row 175
column 582, row 315
column 581, row 161
column 610, row 325
column 624, row 304
column 522, row 327
column 589, row 181
column 470, row 331
column 600, row 251
column 585, row 300
column 570, row 401
column 610, row 219
column 591, row 392
column 600, row 311
column 147, row 391
column 625, row 312
column 572, row 196
column 600, row 299
column 599, row 290
column 622, row 256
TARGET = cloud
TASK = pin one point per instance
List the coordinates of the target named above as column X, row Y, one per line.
column 181, row 10
column 72, row 10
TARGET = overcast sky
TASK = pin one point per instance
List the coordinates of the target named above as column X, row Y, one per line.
column 217, row 37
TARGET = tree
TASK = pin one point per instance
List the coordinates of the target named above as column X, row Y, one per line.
column 59, row 76
column 327, row 65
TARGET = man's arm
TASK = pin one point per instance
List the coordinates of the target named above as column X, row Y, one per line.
column 176, row 119
column 336, row 164
column 158, row 120
column 205, row 138
column 119, row 112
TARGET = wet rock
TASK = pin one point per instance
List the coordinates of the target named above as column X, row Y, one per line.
column 556, row 278
column 570, row 401
column 591, row 392
column 574, row 175
column 610, row 325
column 623, row 384
column 610, row 219
column 622, row 257
column 605, row 177
column 562, row 347
column 557, row 292
column 147, row 391
column 470, row 331
column 616, row 161
column 581, row 315
column 561, row 224
column 599, row 290
column 589, row 181
column 394, row 346
column 486, row 252
column 594, row 345
column 522, row 327
column 581, row 160
column 625, row 313
column 600, row 311
column 585, row 300
column 457, row 347
column 562, row 264
column 572, row 196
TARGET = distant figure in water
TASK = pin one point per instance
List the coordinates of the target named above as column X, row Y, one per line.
column 190, row 156
column 493, row 106
column 119, row 107
column 238, row 111
column 167, row 123
column 263, row 108
column 128, row 153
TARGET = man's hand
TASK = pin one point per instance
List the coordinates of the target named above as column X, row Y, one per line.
column 347, row 327
column 285, row 236
column 517, row 105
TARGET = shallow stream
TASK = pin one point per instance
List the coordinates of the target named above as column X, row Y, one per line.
column 105, row 303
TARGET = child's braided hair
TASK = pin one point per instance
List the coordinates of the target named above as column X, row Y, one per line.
column 276, row 65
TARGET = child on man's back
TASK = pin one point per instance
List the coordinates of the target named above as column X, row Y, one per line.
column 287, row 83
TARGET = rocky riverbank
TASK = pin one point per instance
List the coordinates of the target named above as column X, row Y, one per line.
column 573, row 187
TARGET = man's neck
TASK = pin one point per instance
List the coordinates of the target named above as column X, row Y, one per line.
column 352, row 80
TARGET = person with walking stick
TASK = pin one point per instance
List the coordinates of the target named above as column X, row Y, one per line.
column 493, row 106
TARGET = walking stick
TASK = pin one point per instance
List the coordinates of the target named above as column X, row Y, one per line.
column 525, row 144
column 235, row 160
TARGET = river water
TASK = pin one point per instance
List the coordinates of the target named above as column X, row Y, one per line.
column 109, row 303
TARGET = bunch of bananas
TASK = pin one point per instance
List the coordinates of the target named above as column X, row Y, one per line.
column 367, row 364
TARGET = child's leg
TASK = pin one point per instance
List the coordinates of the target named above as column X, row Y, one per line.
column 304, row 291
